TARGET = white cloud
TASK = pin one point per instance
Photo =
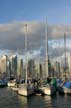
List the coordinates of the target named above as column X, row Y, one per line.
column 12, row 35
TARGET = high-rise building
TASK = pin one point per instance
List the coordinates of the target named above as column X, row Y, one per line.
column 13, row 61
column 69, row 63
column 31, row 67
column 20, row 72
column 4, row 66
column 57, row 69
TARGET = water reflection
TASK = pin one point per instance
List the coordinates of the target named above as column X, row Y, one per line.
column 35, row 102
column 10, row 99
column 47, row 101
column 23, row 101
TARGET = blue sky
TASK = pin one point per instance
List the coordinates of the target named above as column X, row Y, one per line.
column 57, row 11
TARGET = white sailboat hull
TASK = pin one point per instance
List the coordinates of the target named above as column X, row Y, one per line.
column 67, row 90
column 11, row 84
column 25, row 91
column 48, row 90
column 64, row 90
column 15, row 89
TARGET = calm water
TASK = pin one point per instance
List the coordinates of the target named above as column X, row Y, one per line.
column 10, row 99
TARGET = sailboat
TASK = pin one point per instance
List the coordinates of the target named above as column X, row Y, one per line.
column 47, row 89
column 26, row 89
column 65, row 88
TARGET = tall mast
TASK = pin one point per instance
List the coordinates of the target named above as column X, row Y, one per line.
column 59, row 62
column 46, row 46
column 26, row 50
column 65, row 53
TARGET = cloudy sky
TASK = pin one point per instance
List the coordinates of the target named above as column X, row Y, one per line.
column 14, row 14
